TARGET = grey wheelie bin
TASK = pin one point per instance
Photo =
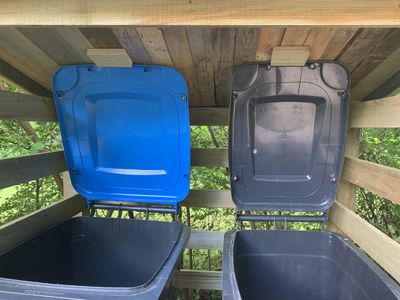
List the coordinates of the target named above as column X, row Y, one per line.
column 287, row 135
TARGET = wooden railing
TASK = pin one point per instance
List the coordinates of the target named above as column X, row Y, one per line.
column 379, row 179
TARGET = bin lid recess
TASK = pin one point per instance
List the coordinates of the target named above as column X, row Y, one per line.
column 287, row 136
column 125, row 132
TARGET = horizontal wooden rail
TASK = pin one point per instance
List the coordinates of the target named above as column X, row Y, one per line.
column 213, row 240
column 23, row 228
column 209, row 157
column 22, row 169
column 209, row 116
column 201, row 280
column 199, row 13
column 379, row 179
column 209, row 199
column 25, row 107
column 380, row 113
column 384, row 250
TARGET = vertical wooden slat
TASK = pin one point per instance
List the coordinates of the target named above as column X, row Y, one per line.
column 179, row 50
column 223, row 42
column 130, row 40
column 154, row 43
column 269, row 37
column 201, row 48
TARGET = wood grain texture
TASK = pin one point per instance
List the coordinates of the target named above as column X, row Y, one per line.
column 101, row 37
column 209, row 157
column 290, row 56
column 195, row 279
column 25, row 107
column 390, row 87
column 217, row 116
column 209, row 198
column 21, row 229
column 318, row 40
column 295, row 36
column 201, row 49
column 202, row 13
column 22, row 54
column 223, row 43
column 131, row 42
column 384, row 250
column 178, row 47
column 110, row 57
column 269, row 37
column 379, row 113
column 384, row 71
column 213, row 240
column 339, row 42
column 153, row 41
column 21, row 80
column 381, row 180
column 386, row 46
column 360, row 46
column 66, row 46
column 25, row 168
column 246, row 45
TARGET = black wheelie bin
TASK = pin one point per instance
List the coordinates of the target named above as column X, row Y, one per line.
column 125, row 134
column 287, row 135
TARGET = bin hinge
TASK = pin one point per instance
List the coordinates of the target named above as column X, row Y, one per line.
column 130, row 208
column 241, row 217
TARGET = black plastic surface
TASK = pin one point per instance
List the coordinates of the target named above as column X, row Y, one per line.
column 113, row 256
column 301, row 265
column 287, row 136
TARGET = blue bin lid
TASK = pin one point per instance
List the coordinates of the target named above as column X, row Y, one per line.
column 287, row 136
column 125, row 131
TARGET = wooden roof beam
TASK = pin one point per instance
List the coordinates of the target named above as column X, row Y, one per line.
column 210, row 13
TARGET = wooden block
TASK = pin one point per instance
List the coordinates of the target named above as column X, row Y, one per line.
column 290, row 56
column 110, row 57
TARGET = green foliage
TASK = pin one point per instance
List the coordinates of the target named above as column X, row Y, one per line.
column 382, row 146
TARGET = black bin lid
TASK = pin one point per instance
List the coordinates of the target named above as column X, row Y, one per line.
column 287, row 135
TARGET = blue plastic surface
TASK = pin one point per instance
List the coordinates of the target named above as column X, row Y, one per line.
column 125, row 131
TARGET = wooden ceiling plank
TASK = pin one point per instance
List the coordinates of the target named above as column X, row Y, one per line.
column 318, row 40
column 223, row 42
column 21, row 53
column 101, row 37
column 269, row 37
column 130, row 40
column 201, row 49
column 360, row 46
column 390, row 87
column 295, row 36
column 66, row 49
column 153, row 41
column 246, row 45
column 178, row 47
column 339, row 41
column 379, row 53
column 385, row 70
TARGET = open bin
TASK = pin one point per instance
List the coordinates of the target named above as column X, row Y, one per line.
column 126, row 140
column 286, row 149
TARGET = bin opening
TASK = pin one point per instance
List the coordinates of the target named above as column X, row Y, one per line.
column 102, row 252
